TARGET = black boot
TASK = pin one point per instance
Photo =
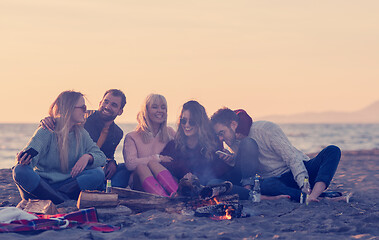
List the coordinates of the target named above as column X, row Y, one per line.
column 45, row 192
column 71, row 189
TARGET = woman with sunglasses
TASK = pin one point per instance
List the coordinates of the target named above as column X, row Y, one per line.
column 194, row 148
column 142, row 148
column 58, row 164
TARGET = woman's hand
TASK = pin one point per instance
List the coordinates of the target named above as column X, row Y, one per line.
column 24, row 160
column 81, row 164
column 163, row 158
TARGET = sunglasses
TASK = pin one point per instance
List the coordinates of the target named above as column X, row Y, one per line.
column 84, row 108
column 191, row 122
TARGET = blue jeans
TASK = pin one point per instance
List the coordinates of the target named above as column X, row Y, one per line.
column 247, row 161
column 242, row 192
column 121, row 177
column 320, row 169
column 246, row 166
column 27, row 180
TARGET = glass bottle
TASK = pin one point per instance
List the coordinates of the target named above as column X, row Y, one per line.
column 256, row 193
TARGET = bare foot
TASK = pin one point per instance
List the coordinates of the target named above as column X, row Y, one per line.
column 310, row 199
column 345, row 198
column 265, row 197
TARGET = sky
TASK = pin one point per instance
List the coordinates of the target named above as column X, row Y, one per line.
column 268, row 57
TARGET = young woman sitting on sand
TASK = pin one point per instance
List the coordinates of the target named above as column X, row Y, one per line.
column 193, row 149
column 67, row 159
column 142, row 148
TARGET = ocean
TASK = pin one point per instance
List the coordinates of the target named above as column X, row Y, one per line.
column 309, row 138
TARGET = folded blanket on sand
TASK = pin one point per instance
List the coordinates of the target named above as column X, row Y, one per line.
column 85, row 218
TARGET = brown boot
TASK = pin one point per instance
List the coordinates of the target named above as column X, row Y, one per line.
column 71, row 189
column 45, row 192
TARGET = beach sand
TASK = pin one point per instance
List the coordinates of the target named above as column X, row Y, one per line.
column 358, row 172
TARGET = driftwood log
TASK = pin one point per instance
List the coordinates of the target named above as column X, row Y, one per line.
column 97, row 199
column 141, row 201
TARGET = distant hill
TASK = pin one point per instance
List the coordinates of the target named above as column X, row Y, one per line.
column 369, row 114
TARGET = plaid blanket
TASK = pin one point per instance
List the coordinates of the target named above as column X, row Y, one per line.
column 85, row 218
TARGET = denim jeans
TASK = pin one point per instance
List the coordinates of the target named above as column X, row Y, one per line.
column 320, row 169
column 27, row 179
column 242, row 192
column 246, row 166
column 246, row 163
column 121, row 177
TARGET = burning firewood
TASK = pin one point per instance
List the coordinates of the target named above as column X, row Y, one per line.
column 192, row 199
column 220, row 210
column 214, row 190
column 228, row 199
column 189, row 186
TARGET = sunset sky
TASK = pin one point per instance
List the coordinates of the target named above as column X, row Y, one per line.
column 268, row 57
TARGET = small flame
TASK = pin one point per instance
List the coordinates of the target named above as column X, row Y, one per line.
column 228, row 213
column 227, row 216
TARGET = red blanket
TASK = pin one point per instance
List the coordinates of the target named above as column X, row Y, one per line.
column 86, row 218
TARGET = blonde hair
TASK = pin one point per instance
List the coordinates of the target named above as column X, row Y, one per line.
column 61, row 110
column 144, row 123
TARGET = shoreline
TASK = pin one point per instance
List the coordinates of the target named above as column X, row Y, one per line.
column 358, row 172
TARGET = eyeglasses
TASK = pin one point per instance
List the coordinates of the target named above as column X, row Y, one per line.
column 220, row 133
column 191, row 122
column 84, row 108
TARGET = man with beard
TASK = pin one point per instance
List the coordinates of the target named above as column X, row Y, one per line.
column 282, row 167
column 104, row 131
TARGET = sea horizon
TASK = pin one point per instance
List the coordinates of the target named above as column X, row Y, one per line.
column 307, row 137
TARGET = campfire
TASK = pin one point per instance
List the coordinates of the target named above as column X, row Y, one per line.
column 218, row 208
column 211, row 201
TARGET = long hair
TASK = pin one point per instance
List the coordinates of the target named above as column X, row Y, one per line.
column 61, row 110
column 144, row 123
column 207, row 140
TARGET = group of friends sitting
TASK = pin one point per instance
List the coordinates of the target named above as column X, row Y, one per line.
column 73, row 150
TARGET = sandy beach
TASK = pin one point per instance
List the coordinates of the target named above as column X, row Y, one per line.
column 358, row 172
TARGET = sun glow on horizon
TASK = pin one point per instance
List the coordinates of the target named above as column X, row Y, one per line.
column 266, row 57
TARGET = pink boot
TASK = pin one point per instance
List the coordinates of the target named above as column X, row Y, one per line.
column 151, row 185
column 167, row 181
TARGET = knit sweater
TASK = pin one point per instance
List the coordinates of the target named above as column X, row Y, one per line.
column 137, row 152
column 276, row 153
column 47, row 162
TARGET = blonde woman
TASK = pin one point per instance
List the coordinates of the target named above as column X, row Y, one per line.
column 142, row 148
column 64, row 161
